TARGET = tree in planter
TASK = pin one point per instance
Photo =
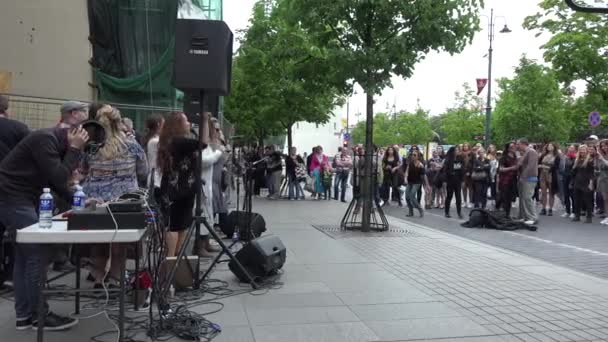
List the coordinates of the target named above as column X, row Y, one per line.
column 368, row 41
column 531, row 105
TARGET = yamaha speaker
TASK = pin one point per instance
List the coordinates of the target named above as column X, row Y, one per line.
column 240, row 220
column 203, row 56
column 261, row 257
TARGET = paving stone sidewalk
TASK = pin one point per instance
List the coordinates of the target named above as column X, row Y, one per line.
column 412, row 284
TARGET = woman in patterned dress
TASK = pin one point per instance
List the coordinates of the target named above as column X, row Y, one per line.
column 112, row 172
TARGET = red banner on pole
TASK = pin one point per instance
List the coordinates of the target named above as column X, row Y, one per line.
column 481, row 83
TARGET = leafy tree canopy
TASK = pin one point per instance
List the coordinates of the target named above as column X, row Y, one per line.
column 464, row 121
column 280, row 73
column 578, row 47
column 406, row 128
column 531, row 105
column 368, row 41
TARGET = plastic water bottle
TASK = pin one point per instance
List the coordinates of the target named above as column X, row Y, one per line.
column 235, row 235
column 80, row 198
column 45, row 220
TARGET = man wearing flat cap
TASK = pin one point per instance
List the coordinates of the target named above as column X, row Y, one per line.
column 43, row 159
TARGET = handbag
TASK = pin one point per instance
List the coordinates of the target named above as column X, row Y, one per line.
column 309, row 186
column 479, row 175
column 300, row 172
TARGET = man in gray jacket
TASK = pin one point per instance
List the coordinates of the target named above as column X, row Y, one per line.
column 528, row 177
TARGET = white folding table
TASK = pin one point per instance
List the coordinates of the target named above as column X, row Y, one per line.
column 59, row 234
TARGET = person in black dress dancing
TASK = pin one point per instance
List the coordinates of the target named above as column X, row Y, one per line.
column 453, row 169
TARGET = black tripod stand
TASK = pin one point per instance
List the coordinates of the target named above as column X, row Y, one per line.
column 244, row 235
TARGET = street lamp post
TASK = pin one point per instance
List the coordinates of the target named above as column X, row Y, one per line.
column 505, row 29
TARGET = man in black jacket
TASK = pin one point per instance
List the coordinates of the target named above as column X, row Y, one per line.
column 11, row 133
column 45, row 158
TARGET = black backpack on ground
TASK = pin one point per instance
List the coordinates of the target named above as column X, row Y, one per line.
column 480, row 218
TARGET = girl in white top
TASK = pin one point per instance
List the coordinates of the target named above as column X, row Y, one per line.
column 154, row 124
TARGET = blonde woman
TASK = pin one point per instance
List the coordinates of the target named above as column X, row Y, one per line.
column 109, row 174
column 582, row 183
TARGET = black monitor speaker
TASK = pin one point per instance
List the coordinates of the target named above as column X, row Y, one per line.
column 242, row 221
column 261, row 258
column 203, row 56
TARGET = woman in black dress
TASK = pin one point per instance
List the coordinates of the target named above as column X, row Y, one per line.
column 453, row 168
column 390, row 179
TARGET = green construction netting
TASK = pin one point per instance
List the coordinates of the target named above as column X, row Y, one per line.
column 133, row 44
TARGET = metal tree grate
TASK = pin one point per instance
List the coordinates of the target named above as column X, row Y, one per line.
column 335, row 232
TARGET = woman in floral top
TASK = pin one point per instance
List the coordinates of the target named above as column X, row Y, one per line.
column 112, row 172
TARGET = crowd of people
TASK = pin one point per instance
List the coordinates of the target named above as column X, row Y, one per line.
column 471, row 176
column 164, row 158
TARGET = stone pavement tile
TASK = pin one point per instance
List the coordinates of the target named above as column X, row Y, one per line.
column 557, row 336
column 463, row 339
column 509, row 328
column 432, row 328
column 495, row 329
column 271, row 300
column 571, row 335
column 407, row 294
column 584, row 334
column 526, row 337
column 541, row 337
column 301, row 315
column 232, row 313
column 523, row 327
column 535, row 326
column 292, row 287
column 326, row 332
column 393, row 312
column 233, row 334
column 598, row 334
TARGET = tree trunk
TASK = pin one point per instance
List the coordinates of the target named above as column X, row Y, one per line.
column 260, row 141
column 367, row 186
column 289, row 137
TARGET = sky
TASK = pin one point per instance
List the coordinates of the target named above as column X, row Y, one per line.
column 440, row 75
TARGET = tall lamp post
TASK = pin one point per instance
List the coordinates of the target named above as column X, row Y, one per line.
column 505, row 29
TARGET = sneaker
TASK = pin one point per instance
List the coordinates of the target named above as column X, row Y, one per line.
column 24, row 324
column 543, row 212
column 529, row 222
column 604, row 221
column 550, row 212
column 572, row 216
column 54, row 322
column 565, row 215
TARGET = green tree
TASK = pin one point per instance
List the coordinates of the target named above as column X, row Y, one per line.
column 578, row 44
column 578, row 50
column 281, row 71
column 369, row 41
column 412, row 128
column 578, row 113
column 531, row 105
column 406, row 128
column 463, row 122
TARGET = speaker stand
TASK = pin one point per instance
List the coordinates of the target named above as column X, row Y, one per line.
column 216, row 260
